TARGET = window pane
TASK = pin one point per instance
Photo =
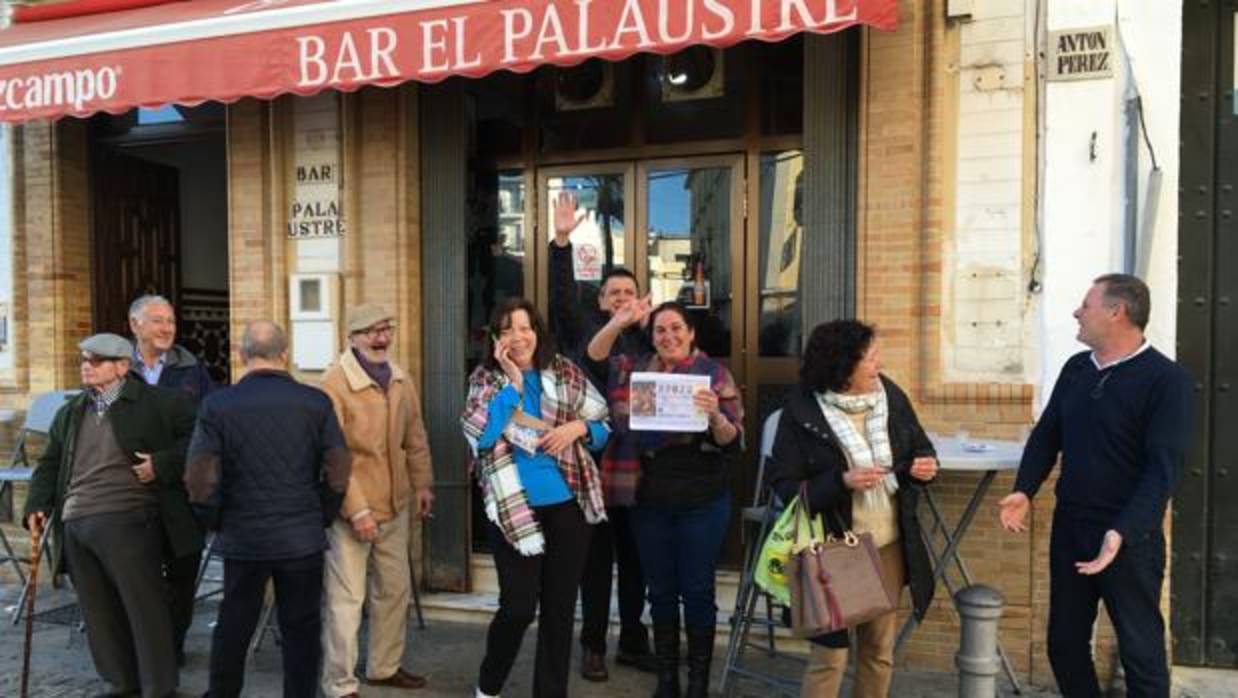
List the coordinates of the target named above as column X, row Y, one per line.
column 496, row 250
column 598, row 234
column 689, row 248
column 781, row 235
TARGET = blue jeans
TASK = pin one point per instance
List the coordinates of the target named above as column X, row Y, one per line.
column 679, row 551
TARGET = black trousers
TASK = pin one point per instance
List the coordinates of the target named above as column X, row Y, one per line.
column 1131, row 590
column 527, row 585
column 115, row 561
column 613, row 542
column 298, row 602
column 180, row 574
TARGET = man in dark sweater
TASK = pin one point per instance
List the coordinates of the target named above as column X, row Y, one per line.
column 159, row 360
column 574, row 321
column 1119, row 415
column 268, row 468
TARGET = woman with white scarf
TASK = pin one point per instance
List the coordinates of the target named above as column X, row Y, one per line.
column 852, row 437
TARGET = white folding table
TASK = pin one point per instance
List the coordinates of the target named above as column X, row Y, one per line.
column 986, row 458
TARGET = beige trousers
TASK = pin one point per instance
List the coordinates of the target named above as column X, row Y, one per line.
column 874, row 641
column 355, row 572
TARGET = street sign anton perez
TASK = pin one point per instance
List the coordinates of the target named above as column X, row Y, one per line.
column 1081, row 54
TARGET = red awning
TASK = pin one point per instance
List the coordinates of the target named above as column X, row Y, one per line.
column 223, row 50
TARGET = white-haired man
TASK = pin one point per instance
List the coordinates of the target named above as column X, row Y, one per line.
column 159, row 360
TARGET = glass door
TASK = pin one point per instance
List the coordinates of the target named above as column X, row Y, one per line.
column 690, row 243
column 774, row 243
column 685, row 228
column 584, row 227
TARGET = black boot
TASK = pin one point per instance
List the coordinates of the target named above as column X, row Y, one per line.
column 700, row 656
column 666, row 647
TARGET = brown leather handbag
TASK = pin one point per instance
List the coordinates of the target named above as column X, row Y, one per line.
column 835, row 582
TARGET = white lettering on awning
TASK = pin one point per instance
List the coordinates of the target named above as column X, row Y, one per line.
column 59, row 89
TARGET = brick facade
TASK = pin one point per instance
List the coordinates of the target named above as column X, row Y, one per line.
column 903, row 218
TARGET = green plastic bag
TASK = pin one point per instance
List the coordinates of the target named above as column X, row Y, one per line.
column 779, row 546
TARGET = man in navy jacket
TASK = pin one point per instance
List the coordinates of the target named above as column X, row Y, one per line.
column 1119, row 416
column 267, row 469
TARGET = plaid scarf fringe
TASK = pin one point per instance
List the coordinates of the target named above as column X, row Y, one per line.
column 567, row 396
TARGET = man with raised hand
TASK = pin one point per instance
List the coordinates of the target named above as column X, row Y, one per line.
column 576, row 326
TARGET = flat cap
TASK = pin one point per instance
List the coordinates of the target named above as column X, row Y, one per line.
column 108, row 346
column 364, row 316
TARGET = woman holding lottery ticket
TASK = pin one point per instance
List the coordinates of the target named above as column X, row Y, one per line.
column 532, row 417
column 676, row 481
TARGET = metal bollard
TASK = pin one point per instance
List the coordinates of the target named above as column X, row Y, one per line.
column 980, row 607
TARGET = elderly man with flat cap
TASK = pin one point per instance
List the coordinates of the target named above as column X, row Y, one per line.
column 110, row 484
column 380, row 415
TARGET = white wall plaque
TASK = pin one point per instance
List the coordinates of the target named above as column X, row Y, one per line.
column 1085, row 53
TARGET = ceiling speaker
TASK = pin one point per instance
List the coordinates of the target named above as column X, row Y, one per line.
column 696, row 72
column 590, row 85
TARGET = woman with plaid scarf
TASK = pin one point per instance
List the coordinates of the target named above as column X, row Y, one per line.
column 851, row 436
column 677, row 483
column 531, row 417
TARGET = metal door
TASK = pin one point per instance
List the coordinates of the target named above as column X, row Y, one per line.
column 1204, row 585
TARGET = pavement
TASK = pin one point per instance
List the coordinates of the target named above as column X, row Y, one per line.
column 447, row 652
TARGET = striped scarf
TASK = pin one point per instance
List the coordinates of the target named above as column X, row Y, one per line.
column 567, row 396
column 621, row 463
column 870, row 452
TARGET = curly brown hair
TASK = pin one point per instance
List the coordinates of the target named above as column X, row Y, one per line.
column 834, row 349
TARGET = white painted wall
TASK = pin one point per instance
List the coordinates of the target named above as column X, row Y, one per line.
column 1152, row 35
column 985, row 278
column 1082, row 214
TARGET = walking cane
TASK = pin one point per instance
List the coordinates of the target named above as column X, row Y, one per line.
column 36, row 550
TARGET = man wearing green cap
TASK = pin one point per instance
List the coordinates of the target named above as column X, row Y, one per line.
column 380, row 415
column 110, row 484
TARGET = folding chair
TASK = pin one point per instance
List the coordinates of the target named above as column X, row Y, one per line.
column 758, row 519
column 39, row 417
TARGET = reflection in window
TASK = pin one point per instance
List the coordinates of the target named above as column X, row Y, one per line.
column 780, row 231
column 496, row 250
column 689, row 248
column 591, row 207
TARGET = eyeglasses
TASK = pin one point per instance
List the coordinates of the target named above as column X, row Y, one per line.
column 96, row 361
column 375, row 331
column 1099, row 389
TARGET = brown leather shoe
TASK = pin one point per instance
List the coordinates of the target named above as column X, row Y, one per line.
column 400, row 679
column 593, row 665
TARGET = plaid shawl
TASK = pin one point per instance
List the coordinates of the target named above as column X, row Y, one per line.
column 621, row 464
column 567, row 396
